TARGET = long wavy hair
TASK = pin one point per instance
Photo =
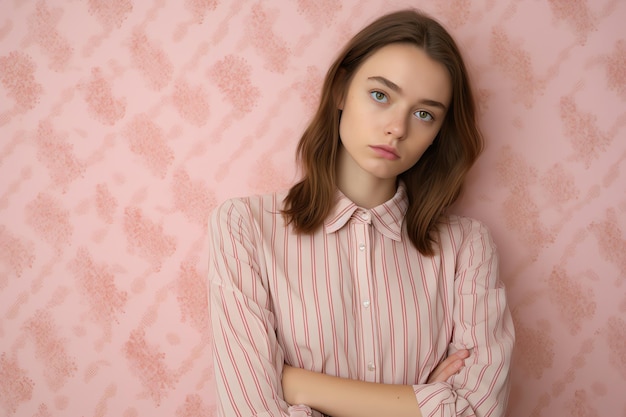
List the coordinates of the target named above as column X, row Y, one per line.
column 435, row 181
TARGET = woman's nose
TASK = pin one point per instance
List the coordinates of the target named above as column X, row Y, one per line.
column 397, row 126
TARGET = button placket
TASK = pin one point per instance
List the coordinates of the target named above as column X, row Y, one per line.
column 363, row 271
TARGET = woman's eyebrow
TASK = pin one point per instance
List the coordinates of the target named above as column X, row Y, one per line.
column 395, row 87
column 390, row 84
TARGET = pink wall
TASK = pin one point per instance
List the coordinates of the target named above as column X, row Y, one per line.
column 124, row 122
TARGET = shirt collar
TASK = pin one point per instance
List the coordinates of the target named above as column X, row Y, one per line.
column 387, row 218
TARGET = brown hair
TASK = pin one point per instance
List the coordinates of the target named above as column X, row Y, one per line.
column 435, row 181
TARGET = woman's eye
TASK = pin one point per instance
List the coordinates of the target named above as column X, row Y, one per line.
column 379, row 96
column 424, row 115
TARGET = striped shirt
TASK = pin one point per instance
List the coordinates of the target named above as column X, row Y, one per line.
column 354, row 299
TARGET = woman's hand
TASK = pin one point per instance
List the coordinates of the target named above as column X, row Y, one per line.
column 449, row 366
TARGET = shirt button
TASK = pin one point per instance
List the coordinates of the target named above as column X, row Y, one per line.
column 366, row 217
column 371, row 366
column 361, row 246
column 366, row 303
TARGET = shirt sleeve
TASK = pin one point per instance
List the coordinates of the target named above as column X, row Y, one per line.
column 482, row 324
column 247, row 358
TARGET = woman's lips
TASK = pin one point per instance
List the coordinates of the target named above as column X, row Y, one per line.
column 386, row 152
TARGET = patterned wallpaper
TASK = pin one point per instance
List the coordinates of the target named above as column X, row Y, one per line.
column 123, row 122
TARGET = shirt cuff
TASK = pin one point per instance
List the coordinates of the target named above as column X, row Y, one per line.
column 300, row 411
column 437, row 399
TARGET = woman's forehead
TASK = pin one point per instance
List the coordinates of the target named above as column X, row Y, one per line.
column 407, row 68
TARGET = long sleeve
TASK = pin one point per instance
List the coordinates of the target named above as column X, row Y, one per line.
column 248, row 360
column 483, row 324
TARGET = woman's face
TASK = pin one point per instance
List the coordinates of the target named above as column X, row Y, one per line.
column 392, row 110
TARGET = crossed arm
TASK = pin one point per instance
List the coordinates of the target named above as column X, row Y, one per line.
column 341, row 397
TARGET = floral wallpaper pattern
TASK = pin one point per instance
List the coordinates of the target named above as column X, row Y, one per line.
column 123, row 123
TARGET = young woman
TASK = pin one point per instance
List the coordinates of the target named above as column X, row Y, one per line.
column 355, row 293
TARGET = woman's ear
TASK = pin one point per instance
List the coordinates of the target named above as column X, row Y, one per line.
column 341, row 86
column 340, row 103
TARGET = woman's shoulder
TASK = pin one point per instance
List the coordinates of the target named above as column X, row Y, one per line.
column 464, row 230
column 250, row 206
column 464, row 222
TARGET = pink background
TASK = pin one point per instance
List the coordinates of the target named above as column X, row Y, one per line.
column 124, row 122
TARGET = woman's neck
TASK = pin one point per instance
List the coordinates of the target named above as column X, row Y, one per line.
column 362, row 188
column 367, row 197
